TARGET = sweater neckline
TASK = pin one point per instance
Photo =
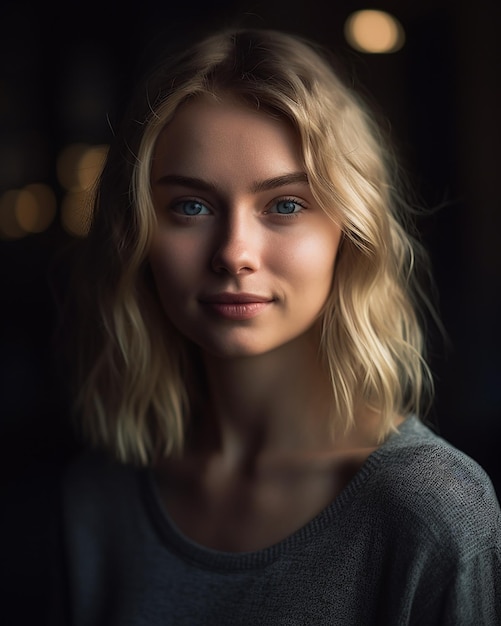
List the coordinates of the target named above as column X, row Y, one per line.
column 174, row 539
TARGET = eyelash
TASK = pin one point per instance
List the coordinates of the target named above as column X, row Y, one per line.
column 189, row 218
column 180, row 203
column 287, row 215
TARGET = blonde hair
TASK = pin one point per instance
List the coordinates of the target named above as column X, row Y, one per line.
column 134, row 367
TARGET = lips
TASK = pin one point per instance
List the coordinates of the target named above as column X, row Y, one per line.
column 236, row 306
column 234, row 298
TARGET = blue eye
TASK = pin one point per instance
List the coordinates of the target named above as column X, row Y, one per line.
column 286, row 207
column 192, row 208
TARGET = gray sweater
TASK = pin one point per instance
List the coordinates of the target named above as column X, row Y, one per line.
column 415, row 538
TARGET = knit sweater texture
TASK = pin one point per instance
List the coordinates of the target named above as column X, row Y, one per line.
column 415, row 538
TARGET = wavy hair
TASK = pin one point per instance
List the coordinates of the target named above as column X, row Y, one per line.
column 134, row 369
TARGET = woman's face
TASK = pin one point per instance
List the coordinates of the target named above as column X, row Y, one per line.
column 243, row 257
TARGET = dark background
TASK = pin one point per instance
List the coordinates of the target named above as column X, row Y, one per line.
column 64, row 72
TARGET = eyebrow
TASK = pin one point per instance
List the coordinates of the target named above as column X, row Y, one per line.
column 256, row 187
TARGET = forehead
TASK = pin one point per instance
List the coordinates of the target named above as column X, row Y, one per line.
column 210, row 136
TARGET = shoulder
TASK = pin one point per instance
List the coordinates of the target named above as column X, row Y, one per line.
column 438, row 489
column 95, row 487
column 96, row 471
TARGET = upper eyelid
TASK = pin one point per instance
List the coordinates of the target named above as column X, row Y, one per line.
column 290, row 198
column 212, row 206
column 174, row 208
column 177, row 201
column 299, row 201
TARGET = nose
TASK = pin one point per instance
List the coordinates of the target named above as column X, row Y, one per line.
column 237, row 249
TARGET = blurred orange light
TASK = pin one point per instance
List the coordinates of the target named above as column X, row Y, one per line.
column 79, row 165
column 374, row 32
column 35, row 208
column 67, row 166
column 76, row 211
column 90, row 165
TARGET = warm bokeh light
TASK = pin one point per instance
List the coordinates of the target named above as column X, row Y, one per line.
column 90, row 165
column 79, row 165
column 76, row 212
column 78, row 168
column 375, row 32
column 26, row 211
column 67, row 166
column 35, row 208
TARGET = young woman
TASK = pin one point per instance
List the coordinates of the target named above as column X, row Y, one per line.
column 251, row 372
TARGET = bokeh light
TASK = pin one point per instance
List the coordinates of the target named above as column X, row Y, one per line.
column 79, row 165
column 90, row 165
column 76, row 211
column 78, row 168
column 26, row 211
column 67, row 166
column 374, row 32
column 35, row 208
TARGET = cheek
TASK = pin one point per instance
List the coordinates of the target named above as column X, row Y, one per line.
column 170, row 282
column 310, row 259
column 173, row 260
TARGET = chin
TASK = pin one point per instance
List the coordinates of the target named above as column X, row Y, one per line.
column 250, row 349
column 235, row 352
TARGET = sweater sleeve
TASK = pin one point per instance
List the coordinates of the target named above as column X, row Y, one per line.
column 471, row 596
column 455, row 513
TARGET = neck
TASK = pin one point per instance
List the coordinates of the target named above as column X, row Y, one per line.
column 279, row 401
